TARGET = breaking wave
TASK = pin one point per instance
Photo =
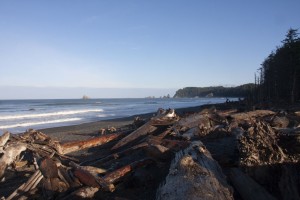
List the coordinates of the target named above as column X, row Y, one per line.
column 39, row 123
column 60, row 113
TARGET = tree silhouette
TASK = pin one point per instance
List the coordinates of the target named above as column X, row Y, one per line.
column 280, row 72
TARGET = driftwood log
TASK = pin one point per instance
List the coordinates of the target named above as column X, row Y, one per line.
column 9, row 156
column 194, row 174
column 252, row 114
column 3, row 140
column 84, row 144
column 247, row 187
column 88, row 176
column 143, row 130
column 163, row 118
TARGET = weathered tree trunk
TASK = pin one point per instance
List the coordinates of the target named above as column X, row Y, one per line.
column 195, row 120
column 90, row 179
column 9, row 156
column 143, row 130
column 92, row 142
column 116, row 175
column 252, row 114
column 194, row 174
column 247, row 187
column 163, row 118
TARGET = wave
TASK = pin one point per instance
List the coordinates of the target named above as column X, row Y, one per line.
column 106, row 115
column 71, row 112
column 39, row 123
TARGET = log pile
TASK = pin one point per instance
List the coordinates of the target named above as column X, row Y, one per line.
column 212, row 154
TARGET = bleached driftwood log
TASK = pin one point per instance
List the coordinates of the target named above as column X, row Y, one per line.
column 247, row 187
column 143, row 130
column 195, row 120
column 3, row 140
column 251, row 114
column 194, row 174
column 9, row 156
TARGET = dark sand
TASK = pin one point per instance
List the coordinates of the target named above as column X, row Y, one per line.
column 87, row 130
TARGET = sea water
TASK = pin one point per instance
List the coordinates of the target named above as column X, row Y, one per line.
column 19, row 115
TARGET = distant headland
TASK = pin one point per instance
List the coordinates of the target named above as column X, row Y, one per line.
column 218, row 91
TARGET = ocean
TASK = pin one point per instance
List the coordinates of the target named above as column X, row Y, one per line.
column 19, row 115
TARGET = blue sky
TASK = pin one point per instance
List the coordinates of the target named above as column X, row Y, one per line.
column 158, row 44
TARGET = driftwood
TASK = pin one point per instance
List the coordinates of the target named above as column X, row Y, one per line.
column 140, row 161
column 289, row 182
column 195, row 120
column 247, row 187
column 116, row 155
column 116, row 175
column 258, row 146
column 280, row 122
column 83, row 193
column 252, row 114
column 92, row 142
column 163, row 117
column 9, row 156
column 194, row 175
column 32, row 182
column 3, row 140
column 143, row 130
column 65, row 175
column 90, row 178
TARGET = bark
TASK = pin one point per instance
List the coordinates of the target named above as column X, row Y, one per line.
column 118, row 174
column 92, row 142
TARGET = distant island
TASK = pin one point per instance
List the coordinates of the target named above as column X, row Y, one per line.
column 218, row 91
column 85, row 97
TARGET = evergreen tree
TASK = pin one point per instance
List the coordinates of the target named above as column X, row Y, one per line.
column 280, row 73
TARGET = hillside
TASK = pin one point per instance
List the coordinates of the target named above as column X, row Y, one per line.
column 219, row 91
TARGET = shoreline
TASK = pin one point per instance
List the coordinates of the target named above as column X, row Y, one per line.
column 90, row 129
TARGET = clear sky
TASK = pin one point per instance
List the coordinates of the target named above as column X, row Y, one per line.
column 158, row 44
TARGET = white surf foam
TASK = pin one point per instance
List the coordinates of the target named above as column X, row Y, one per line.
column 39, row 123
column 69, row 112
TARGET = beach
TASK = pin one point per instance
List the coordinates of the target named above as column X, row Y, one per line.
column 91, row 129
column 205, row 145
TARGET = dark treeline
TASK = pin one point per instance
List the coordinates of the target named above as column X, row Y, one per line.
column 220, row 91
column 279, row 76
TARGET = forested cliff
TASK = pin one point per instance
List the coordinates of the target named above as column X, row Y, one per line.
column 219, row 91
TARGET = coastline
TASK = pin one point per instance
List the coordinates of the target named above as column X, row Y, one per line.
column 90, row 129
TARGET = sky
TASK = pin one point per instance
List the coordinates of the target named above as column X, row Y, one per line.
column 76, row 47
